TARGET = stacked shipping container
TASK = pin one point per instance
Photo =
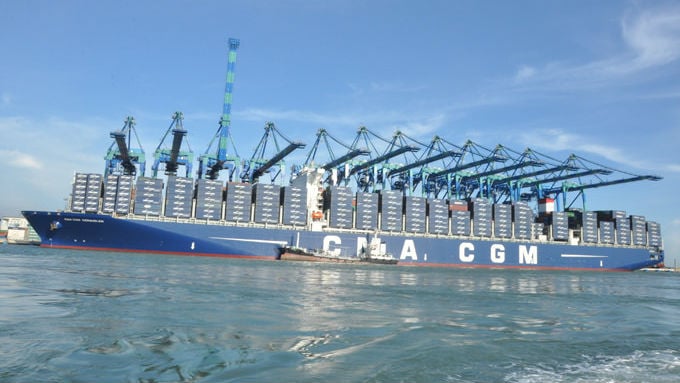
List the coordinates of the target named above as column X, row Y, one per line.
column 460, row 217
column 438, row 216
column 481, row 217
column 294, row 202
column 239, row 199
column 415, row 210
column 391, row 203
column 266, row 198
column 178, row 197
column 209, row 199
column 148, row 196
column 367, row 211
column 502, row 218
column 338, row 202
column 523, row 217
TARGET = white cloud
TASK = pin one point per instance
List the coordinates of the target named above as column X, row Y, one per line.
column 558, row 140
column 524, row 72
column 18, row 159
column 651, row 39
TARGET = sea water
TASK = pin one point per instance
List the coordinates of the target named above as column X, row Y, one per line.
column 78, row 316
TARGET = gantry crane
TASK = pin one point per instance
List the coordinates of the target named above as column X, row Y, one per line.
column 260, row 163
column 121, row 158
column 334, row 162
column 210, row 164
column 173, row 157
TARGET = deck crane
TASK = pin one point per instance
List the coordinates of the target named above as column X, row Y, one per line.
column 121, row 158
column 209, row 164
column 173, row 157
column 323, row 137
column 259, row 163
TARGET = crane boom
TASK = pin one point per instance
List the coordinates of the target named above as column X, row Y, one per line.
column 494, row 158
column 425, row 161
column 177, row 136
column 383, row 157
column 342, row 159
column 124, row 152
column 278, row 157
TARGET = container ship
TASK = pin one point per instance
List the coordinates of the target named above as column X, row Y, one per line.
column 435, row 204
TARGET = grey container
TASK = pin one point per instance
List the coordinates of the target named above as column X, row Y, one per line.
column 415, row 209
column 367, row 211
column 438, row 216
column 607, row 232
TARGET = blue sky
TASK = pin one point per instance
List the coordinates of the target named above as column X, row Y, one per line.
column 599, row 79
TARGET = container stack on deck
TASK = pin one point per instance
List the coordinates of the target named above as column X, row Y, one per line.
column 148, row 197
column 110, row 187
column 124, row 194
column 239, row 197
column 460, row 217
column 338, row 202
column 653, row 234
column 267, row 198
column 415, row 210
column 590, row 227
column 391, row 205
column 367, row 211
column 607, row 232
column 294, row 202
column 523, row 217
column 209, row 199
column 639, row 228
column 560, row 225
column 78, row 193
column 94, row 191
column 389, row 210
column 438, row 216
column 622, row 225
column 178, row 197
column 502, row 218
column 481, row 217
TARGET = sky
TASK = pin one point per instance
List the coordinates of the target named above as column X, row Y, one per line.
column 598, row 79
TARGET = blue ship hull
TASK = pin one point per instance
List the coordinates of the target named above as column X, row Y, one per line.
column 220, row 239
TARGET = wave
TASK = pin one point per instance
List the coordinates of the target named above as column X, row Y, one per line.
column 641, row 366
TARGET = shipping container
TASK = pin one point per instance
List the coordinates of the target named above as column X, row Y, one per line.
column 438, row 216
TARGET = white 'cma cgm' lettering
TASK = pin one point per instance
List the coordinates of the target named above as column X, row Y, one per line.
column 527, row 255
column 497, row 253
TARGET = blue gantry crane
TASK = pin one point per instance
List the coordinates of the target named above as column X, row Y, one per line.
column 210, row 164
column 174, row 157
column 121, row 158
